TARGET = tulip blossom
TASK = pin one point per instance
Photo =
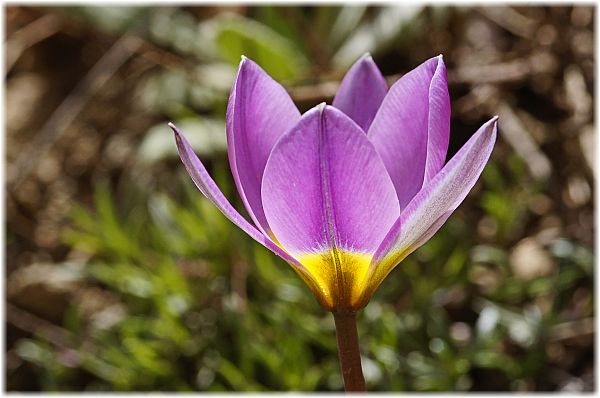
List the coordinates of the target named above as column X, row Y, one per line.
column 344, row 192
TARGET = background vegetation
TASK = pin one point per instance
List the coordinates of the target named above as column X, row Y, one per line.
column 122, row 277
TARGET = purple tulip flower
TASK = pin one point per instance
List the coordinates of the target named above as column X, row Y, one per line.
column 344, row 192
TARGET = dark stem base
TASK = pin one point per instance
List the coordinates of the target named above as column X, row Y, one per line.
column 347, row 340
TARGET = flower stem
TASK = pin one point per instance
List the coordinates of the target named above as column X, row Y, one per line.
column 347, row 340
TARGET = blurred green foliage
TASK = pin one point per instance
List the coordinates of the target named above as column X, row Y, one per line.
column 189, row 325
column 181, row 300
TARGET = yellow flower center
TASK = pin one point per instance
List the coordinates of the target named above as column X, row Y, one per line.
column 339, row 277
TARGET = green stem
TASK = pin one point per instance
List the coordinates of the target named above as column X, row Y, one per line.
column 347, row 340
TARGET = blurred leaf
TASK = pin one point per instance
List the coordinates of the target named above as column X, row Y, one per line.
column 112, row 18
column 235, row 378
column 205, row 135
column 375, row 36
column 346, row 22
column 237, row 36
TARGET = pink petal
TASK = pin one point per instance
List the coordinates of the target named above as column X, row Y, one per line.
column 325, row 187
column 361, row 92
column 412, row 128
column 207, row 186
column 258, row 113
column 432, row 206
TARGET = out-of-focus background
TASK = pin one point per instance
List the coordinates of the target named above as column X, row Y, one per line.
column 122, row 277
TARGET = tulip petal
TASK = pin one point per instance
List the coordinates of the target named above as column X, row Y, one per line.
column 361, row 92
column 432, row 206
column 325, row 188
column 207, row 186
column 438, row 128
column 258, row 113
column 412, row 128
